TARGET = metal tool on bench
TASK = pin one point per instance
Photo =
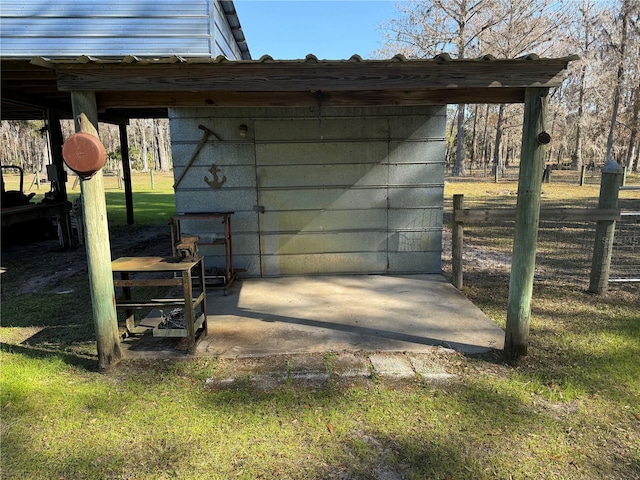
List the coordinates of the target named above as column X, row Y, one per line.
column 187, row 247
column 205, row 137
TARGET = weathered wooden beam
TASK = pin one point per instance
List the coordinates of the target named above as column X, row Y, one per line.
column 310, row 76
column 143, row 99
column 485, row 215
column 526, row 227
column 96, row 230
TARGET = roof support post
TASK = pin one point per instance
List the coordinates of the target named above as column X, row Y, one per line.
column 526, row 227
column 55, row 144
column 126, row 172
column 96, row 232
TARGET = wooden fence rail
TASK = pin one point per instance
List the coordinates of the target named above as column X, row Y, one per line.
column 462, row 216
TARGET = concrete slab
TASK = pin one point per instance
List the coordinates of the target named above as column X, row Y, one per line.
column 392, row 366
column 298, row 315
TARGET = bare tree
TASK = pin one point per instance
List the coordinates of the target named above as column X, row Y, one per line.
column 524, row 27
column 617, row 34
column 434, row 27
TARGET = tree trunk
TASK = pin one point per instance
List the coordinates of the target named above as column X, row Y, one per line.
column 485, row 139
column 576, row 157
column 474, row 139
column 460, row 168
column 163, row 158
column 635, row 119
column 143, row 146
column 498, row 166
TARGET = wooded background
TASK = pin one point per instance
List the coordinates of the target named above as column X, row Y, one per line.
column 592, row 117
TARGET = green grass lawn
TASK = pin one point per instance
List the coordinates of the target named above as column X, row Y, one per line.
column 568, row 410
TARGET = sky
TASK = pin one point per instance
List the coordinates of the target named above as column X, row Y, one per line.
column 331, row 30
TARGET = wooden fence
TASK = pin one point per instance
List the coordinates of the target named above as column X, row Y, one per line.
column 463, row 216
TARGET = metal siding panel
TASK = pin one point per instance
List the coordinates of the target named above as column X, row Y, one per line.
column 330, row 242
column 295, row 176
column 113, row 28
column 430, row 125
column 235, row 154
column 110, row 8
column 415, row 218
column 423, row 151
column 325, row 129
column 107, row 27
column 417, row 197
column 230, row 176
column 325, row 153
column 216, row 201
column 423, row 241
column 241, row 223
column 415, row 262
column 313, row 227
column 327, row 198
column 417, row 174
column 77, row 46
column 324, row 220
column 250, row 263
column 245, row 243
column 225, row 43
column 227, row 129
column 326, row 263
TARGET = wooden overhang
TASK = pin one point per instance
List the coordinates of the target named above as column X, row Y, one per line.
column 132, row 87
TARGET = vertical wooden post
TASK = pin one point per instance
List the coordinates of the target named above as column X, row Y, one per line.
column 126, row 173
column 612, row 175
column 583, row 172
column 96, row 232
column 526, row 227
column 457, row 243
column 55, row 142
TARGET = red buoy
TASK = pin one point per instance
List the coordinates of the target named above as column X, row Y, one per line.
column 84, row 154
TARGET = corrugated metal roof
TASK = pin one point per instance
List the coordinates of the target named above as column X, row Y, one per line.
column 199, row 60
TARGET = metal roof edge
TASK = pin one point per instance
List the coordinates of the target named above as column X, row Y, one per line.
column 52, row 62
column 231, row 15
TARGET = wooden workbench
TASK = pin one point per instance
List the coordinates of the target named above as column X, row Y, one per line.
column 149, row 270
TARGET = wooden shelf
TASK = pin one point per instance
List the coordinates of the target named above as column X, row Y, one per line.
column 182, row 269
column 178, row 332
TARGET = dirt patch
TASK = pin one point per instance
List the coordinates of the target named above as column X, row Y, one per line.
column 44, row 267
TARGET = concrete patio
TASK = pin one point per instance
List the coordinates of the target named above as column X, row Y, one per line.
column 364, row 313
column 292, row 315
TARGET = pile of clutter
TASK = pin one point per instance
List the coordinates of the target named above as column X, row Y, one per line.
column 174, row 319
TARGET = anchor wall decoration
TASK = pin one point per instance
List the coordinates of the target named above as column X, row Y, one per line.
column 216, row 183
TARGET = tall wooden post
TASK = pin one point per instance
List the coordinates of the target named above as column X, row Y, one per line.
column 612, row 177
column 526, row 228
column 96, row 232
column 55, row 142
column 126, row 173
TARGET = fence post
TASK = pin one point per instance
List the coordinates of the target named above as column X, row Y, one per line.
column 583, row 173
column 457, row 243
column 612, row 175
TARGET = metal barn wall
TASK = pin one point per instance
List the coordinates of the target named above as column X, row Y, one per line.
column 69, row 28
column 353, row 190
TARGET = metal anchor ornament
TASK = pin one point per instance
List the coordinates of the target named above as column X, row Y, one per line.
column 216, row 183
